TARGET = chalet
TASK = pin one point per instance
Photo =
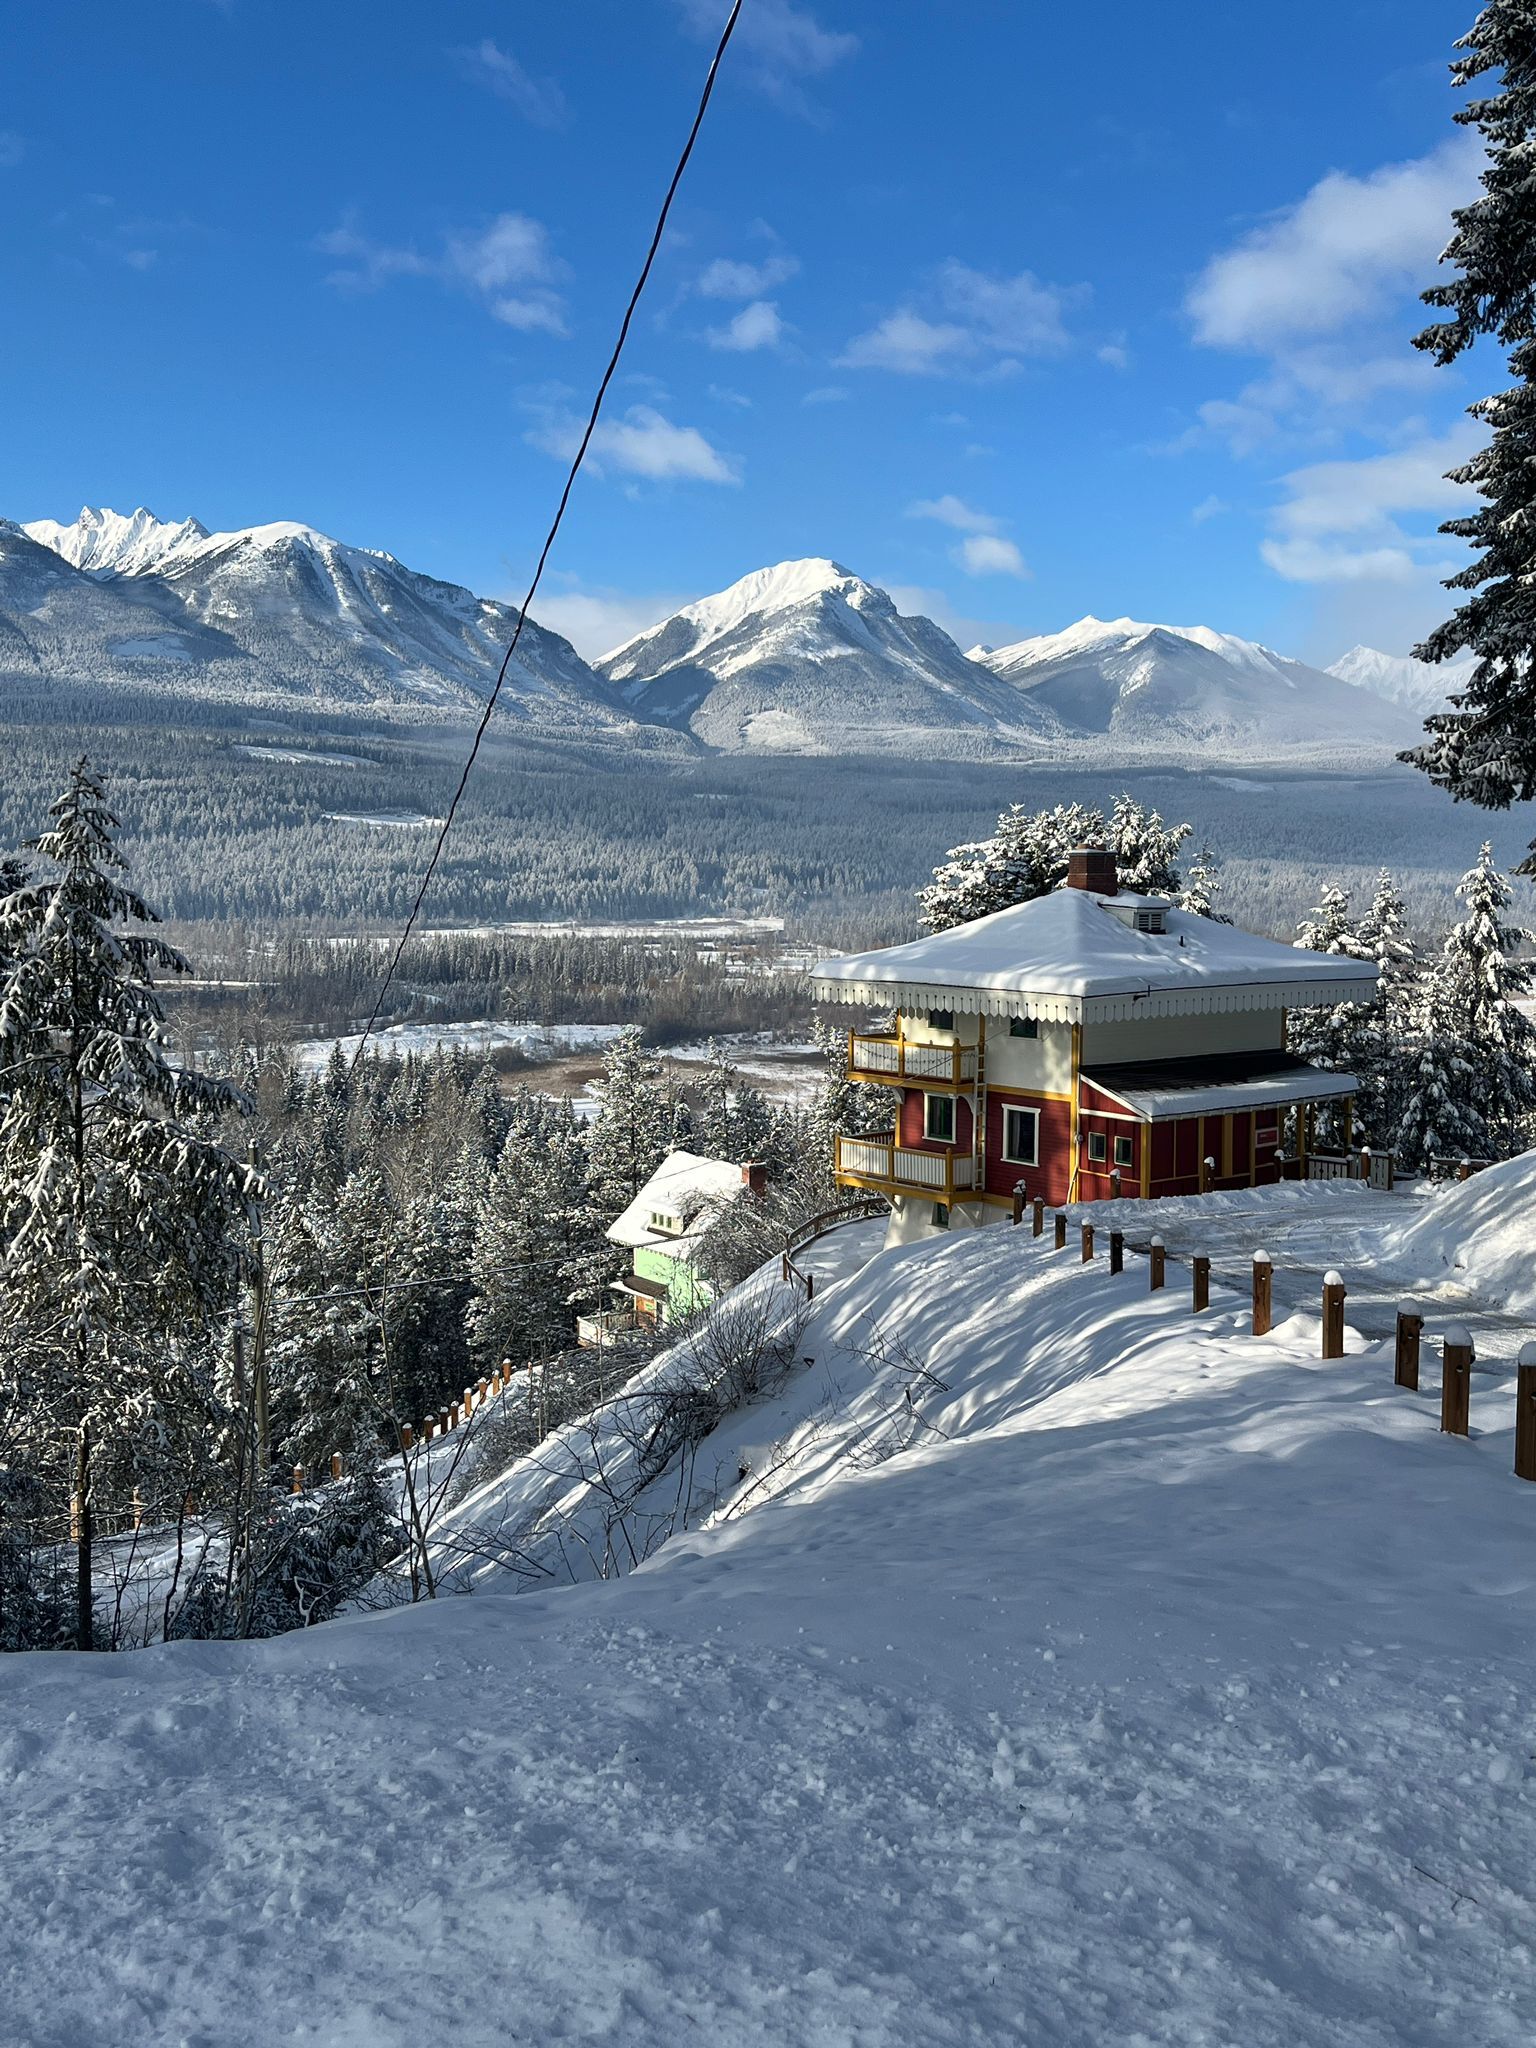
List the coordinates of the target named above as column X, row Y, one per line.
column 666, row 1227
column 1087, row 1043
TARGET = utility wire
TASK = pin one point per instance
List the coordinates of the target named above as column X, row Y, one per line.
column 549, row 540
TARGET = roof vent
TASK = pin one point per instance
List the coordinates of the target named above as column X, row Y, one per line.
column 1092, row 868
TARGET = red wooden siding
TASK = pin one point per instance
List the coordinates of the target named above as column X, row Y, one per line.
column 909, row 1128
column 1050, row 1178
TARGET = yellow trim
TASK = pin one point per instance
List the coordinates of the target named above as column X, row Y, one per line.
column 1146, row 1159
column 1075, row 1117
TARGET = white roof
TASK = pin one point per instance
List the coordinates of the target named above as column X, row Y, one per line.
column 1067, row 957
column 687, row 1186
column 1159, row 1091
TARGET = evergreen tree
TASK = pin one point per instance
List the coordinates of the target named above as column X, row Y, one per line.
column 1027, row 856
column 1388, row 1025
column 631, row 1130
column 1201, row 886
column 120, row 1211
column 1485, row 749
column 1332, row 1035
column 1478, row 989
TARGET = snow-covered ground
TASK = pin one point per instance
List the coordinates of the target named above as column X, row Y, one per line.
column 1136, row 1682
column 536, row 1041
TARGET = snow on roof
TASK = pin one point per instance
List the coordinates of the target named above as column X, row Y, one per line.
column 687, row 1189
column 1215, row 1085
column 1068, row 957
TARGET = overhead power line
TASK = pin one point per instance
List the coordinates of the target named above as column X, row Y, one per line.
column 554, row 528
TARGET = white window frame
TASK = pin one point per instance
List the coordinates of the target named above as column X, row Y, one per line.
column 940, row 1137
column 1015, row 1158
column 1101, row 1139
column 1130, row 1152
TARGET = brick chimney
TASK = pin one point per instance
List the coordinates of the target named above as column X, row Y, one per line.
column 755, row 1177
column 1093, row 868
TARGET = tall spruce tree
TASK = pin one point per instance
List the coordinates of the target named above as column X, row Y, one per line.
column 1485, row 749
column 120, row 1211
column 1480, row 987
column 1027, row 856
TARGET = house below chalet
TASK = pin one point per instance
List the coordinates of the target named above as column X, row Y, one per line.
column 1087, row 1043
column 666, row 1228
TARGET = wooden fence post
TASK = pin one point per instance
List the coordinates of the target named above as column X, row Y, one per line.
column 453, row 1414
column 1114, row 1184
column 335, row 1464
column 429, row 1429
column 1087, row 1242
column 298, row 1478
column 1038, row 1215
column 484, row 1389
column 1333, row 1315
column 1410, row 1328
column 1263, row 1294
column 1456, row 1382
column 1464, row 1171
column 1159, row 1269
column 1200, row 1279
column 1525, row 1413
column 442, row 1421
column 1117, row 1251
column 407, row 1436
column 1018, row 1203
column 1207, row 1174
column 810, row 1285
column 1061, row 1229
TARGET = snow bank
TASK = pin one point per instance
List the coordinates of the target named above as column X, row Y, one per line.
column 1483, row 1230
column 1134, row 1681
column 538, row 1041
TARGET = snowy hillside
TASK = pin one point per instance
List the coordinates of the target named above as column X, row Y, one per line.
column 274, row 613
column 1039, row 1663
column 808, row 658
column 1399, row 679
column 1171, row 688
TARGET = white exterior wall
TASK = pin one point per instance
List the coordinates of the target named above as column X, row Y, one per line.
column 1177, row 1038
column 1042, row 1066
column 912, row 1219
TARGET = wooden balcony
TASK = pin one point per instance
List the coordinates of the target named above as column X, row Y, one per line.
column 893, row 1169
column 896, row 1062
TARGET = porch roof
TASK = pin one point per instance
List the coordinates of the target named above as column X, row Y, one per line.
column 1217, row 1084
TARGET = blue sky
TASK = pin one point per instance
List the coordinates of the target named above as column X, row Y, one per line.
column 1023, row 311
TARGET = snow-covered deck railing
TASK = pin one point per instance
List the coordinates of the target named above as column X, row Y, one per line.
column 888, row 1057
column 882, row 1163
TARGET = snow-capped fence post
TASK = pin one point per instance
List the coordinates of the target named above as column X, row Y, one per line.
column 1263, row 1294
column 1207, row 1174
column 442, row 1421
column 1039, row 1216
column 1087, row 1242
column 1114, row 1184
column 298, row 1478
column 1333, row 1315
column 453, row 1414
column 336, row 1467
column 483, row 1391
column 1405, row 1363
column 1061, row 1229
column 1200, row 1277
column 1158, row 1257
column 1117, row 1251
column 407, row 1436
column 1525, row 1413
column 1456, row 1382
column 1018, row 1203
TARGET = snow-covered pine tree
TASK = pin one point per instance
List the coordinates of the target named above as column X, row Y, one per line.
column 1027, row 856
column 120, row 1211
column 1436, row 1118
column 631, row 1131
column 1485, row 749
column 1333, row 1035
column 1202, row 882
column 539, row 1254
column 1479, row 984
column 1389, row 1024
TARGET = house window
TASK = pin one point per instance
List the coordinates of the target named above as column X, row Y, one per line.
column 1021, row 1137
column 941, row 1020
column 1023, row 1027
column 941, row 1216
column 1123, row 1150
column 1098, row 1147
column 939, row 1118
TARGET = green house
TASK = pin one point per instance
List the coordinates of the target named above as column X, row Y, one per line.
column 666, row 1227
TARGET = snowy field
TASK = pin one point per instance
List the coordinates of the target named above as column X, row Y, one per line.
column 535, row 1041
column 1135, row 1682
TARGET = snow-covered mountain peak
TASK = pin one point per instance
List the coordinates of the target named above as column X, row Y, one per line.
column 107, row 543
column 762, row 593
column 1400, row 679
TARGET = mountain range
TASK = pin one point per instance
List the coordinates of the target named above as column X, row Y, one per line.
column 803, row 657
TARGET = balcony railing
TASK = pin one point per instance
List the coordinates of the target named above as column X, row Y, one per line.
column 882, row 1163
column 612, row 1326
column 895, row 1060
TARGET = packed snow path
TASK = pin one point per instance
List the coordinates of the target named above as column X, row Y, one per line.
column 1168, row 1687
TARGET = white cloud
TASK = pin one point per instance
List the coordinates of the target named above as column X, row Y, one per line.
column 989, row 554
column 1343, row 521
column 642, row 443
column 507, row 264
column 727, row 279
column 596, row 620
column 778, row 46
column 1210, row 507
column 825, row 394
column 756, row 326
column 1114, row 355
column 538, row 100
column 12, row 148
column 952, row 511
column 983, row 322
column 1339, row 254
column 722, row 394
